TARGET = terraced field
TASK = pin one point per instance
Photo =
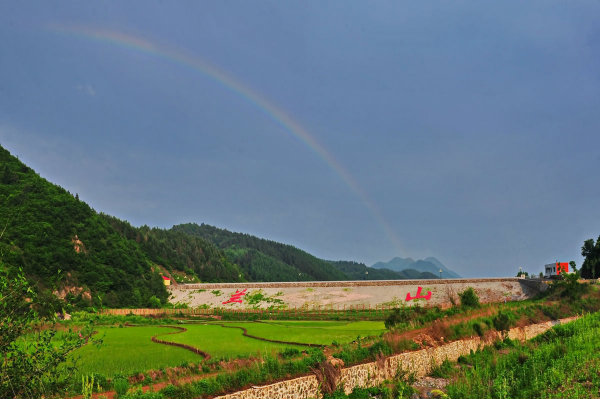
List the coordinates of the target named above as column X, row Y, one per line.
column 313, row 332
column 130, row 349
column 221, row 342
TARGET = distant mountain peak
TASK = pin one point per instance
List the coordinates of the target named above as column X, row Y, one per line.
column 429, row 265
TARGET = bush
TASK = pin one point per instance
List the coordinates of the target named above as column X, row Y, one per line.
column 444, row 370
column 154, row 302
column 289, row 352
column 33, row 363
column 398, row 316
column 469, row 298
column 121, row 385
column 502, row 321
column 478, row 329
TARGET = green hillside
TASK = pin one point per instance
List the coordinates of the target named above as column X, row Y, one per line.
column 263, row 259
column 42, row 223
column 180, row 252
column 90, row 259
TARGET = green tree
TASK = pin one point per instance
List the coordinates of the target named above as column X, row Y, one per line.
column 573, row 266
column 469, row 298
column 591, row 263
column 33, row 364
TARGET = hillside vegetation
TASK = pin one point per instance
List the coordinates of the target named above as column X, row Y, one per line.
column 180, row 252
column 41, row 223
column 266, row 255
column 90, row 259
column 266, row 260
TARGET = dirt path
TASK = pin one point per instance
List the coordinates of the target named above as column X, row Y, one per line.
column 245, row 334
column 184, row 346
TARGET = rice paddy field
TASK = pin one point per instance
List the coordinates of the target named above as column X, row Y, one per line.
column 128, row 350
column 221, row 342
column 314, row 332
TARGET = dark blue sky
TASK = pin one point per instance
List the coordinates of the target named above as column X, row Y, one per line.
column 470, row 128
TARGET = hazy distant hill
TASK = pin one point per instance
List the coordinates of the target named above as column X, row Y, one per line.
column 428, row 265
column 359, row 271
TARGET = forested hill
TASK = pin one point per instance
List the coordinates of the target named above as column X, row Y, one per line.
column 66, row 247
column 182, row 255
column 266, row 260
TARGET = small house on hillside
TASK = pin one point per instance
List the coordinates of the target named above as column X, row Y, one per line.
column 556, row 269
column 166, row 280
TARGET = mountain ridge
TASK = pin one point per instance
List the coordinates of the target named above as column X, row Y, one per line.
column 254, row 255
column 429, row 265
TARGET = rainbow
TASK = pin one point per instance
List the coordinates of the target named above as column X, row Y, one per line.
column 268, row 109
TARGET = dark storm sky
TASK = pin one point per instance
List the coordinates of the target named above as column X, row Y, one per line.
column 354, row 130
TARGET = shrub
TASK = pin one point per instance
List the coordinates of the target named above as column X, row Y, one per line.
column 478, row 329
column 289, row 352
column 464, row 360
column 444, row 370
column 553, row 312
column 100, row 380
column 469, row 298
column 502, row 321
column 121, row 385
column 154, row 302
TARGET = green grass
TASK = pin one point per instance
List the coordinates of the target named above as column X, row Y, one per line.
column 222, row 342
column 314, row 332
column 128, row 350
column 563, row 362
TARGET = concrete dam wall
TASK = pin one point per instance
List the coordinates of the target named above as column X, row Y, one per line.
column 350, row 294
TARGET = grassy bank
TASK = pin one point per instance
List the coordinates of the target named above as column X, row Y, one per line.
column 563, row 362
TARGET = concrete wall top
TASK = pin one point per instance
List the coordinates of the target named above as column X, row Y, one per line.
column 357, row 283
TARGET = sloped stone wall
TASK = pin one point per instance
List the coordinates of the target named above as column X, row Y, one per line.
column 302, row 387
column 371, row 374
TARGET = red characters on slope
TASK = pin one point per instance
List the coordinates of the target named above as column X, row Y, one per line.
column 237, row 297
column 418, row 296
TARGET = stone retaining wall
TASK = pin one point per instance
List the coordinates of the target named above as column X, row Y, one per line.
column 371, row 374
column 302, row 387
